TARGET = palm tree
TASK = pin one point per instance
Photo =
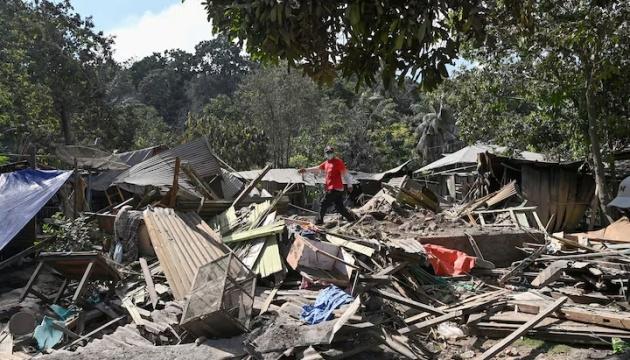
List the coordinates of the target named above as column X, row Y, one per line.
column 435, row 132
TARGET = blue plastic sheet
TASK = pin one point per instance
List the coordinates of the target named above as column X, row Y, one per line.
column 327, row 301
column 22, row 194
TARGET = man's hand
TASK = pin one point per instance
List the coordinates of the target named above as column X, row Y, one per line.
column 301, row 170
column 350, row 188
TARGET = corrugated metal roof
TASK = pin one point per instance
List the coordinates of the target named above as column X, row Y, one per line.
column 270, row 261
column 183, row 243
column 468, row 155
column 104, row 180
column 158, row 170
column 230, row 184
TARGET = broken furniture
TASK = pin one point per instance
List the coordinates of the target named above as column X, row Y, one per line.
column 221, row 299
column 321, row 260
column 74, row 266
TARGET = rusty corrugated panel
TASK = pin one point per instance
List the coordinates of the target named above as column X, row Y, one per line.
column 182, row 243
column 158, row 170
column 506, row 192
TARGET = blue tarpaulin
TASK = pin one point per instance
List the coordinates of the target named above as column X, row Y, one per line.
column 327, row 301
column 22, row 194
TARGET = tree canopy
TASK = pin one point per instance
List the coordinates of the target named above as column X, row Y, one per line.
column 358, row 39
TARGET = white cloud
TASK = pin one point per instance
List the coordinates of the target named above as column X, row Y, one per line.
column 180, row 26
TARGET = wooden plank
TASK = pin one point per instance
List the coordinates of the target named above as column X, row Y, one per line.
column 391, row 269
column 617, row 319
column 149, row 280
column 172, row 199
column 84, row 280
column 269, row 299
column 62, row 289
column 251, row 186
column 345, row 317
column 550, row 274
column 31, row 281
column 522, row 265
column 407, row 302
column 498, row 347
column 429, row 323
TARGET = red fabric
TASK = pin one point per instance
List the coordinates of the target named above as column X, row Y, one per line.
column 334, row 169
column 448, row 261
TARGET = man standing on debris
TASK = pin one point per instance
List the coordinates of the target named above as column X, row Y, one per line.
column 336, row 172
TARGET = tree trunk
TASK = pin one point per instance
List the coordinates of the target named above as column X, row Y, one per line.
column 65, row 125
column 600, row 175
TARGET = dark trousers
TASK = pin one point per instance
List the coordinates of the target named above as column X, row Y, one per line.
column 334, row 197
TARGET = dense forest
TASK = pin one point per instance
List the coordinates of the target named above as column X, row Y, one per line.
column 59, row 84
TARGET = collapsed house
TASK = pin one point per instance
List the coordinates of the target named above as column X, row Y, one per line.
column 207, row 262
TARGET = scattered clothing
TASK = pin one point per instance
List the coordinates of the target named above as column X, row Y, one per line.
column 448, row 261
column 328, row 300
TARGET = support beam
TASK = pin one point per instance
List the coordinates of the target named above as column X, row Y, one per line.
column 84, row 280
column 149, row 280
column 251, row 185
column 407, row 302
column 31, row 281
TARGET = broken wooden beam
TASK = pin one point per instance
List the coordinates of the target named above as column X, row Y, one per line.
column 408, row 302
column 430, row 323
column 251, row 186
column 498, row 347
column 149, row 281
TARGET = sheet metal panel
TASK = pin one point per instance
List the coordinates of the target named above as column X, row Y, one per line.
column 158, row 170
column 183, row 243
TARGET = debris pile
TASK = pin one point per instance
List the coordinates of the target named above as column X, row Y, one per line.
column 202, row 265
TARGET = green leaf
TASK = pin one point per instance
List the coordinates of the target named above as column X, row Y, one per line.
column 399, row 41
column 355, row 14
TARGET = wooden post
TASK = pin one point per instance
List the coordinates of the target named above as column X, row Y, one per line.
column 84, row 280
column 31, row 281
column 77, row 177
column 175, row 187
column 498, row 347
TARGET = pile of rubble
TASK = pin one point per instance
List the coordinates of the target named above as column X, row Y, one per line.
column 405, row 280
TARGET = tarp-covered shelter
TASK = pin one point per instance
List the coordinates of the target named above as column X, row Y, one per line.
column 22, row 194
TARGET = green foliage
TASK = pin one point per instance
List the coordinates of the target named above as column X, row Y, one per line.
column 355, row 38
column 71, row 234
column 49, row 72
column 236, row 142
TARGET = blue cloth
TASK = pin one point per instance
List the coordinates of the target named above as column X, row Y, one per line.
column 22, row 194
column 46, row 335
column 327, row 301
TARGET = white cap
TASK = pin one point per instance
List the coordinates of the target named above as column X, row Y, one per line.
column 623, row 195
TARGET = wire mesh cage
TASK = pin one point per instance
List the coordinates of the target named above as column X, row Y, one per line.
column 221, row 299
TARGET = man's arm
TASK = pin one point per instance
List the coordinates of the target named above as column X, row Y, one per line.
column 313, row 170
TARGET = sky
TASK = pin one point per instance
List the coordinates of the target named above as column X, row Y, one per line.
column 141, row 27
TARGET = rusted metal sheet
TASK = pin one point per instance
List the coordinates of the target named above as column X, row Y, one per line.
column 183, row 243
column 158, row 170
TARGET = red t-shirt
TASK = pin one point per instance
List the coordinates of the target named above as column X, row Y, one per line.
column 334, row 169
